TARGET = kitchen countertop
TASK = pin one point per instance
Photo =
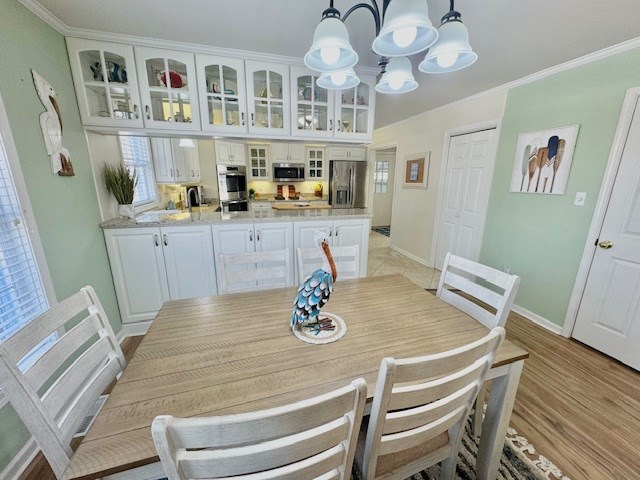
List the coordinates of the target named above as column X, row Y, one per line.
column 149, row 219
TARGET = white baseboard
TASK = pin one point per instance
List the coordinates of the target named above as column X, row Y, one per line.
column 537, row 319
column 134, row 329
column 413, row 257
column 21, row 461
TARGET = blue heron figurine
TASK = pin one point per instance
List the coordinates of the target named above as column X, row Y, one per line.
column 315, row 290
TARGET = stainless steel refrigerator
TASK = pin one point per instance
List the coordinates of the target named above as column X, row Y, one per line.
column 347, row 184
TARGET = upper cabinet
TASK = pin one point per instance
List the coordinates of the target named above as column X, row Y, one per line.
column 221, row 88
column 355, row 109
column 104, row 75
column 312, row 107
column 168, row 89
column 173, row 163
column 268, row 98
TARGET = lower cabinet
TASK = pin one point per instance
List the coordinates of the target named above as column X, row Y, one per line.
column 341, row 233
column 249, row 237
column 153, row 265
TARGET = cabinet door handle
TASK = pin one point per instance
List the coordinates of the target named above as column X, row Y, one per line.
column 250, row 236
column 177, row 172
column 135, row 112
column 258, row 235
column 156, row 241
column 171, row 172
column 242, row 117
column 193, row 174
column 336, row 231
column 253, row 122
column 339, row 126
column 331, row 125
column 147, row 112
column 330, row 231
column 164, row 240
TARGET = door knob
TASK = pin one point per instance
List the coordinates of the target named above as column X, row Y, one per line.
column 606, row 244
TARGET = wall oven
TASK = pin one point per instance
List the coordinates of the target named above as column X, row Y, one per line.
column 232, row 185
column 288, row 172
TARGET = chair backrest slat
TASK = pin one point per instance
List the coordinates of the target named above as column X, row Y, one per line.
column 255, row 270
column 347, row 260
column 86, row 359
column 314, row 438
column 29, row 336
column 418, row 399
column 475, row 280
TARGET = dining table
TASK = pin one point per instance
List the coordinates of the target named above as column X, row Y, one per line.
column 236, row 353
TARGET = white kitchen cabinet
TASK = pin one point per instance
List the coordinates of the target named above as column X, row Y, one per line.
column 284, row 152
column 341, row 233
column 168, row 89
column 173, row 163
column 348, row 153
column 106, row 83
column 315, row 163
column 355, row 110
column 221, row 89
column 153, row 265
column 259, row 161
column 312, row 107
column 268, row 98
column 249, row 237
column 230, row 153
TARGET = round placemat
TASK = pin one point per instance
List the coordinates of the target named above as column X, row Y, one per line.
column 308, row 335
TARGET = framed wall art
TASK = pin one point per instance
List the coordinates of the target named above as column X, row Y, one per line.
column 416, row 170
column 543, row 160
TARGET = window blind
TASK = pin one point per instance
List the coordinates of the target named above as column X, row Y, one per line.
column 22, row 295
column 136, row 154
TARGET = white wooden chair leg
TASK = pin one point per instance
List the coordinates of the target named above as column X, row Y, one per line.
column 479, row 410
column 448, row 467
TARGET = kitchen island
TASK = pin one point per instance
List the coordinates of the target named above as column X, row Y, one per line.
column 157, row 257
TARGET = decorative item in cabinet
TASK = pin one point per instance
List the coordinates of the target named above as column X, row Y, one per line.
column 259, row 164
column 268, row 92
column 315, row 163
column 106, row 84
column 168, row 89
column 222, row 93
column 312, row 107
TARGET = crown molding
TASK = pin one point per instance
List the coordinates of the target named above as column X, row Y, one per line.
column 534, row 77
column 42, row 12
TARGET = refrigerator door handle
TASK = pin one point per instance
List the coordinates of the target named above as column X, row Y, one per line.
column 352, row 186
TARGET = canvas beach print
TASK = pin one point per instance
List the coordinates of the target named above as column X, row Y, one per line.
column 543, row 160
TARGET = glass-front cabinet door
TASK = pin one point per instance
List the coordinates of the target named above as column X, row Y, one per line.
column 312, row 107
column 106, row 85
column 259, row 165
column 221, row 88
column 316, row 163
column 268, row 98
column 355, row 108
column 168, row 89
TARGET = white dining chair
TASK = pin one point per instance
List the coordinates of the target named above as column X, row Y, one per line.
column 251, row 271
column 53, row 404
column 313, row 438
column 488, row 298
column 347, row 260
column 419, row 409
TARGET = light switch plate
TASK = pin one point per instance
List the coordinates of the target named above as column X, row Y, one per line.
column 580, row 197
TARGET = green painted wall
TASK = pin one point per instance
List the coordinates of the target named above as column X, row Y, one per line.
column 66, row 209
column 541, row 237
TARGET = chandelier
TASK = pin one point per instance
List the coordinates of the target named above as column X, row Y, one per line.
column 402, row 28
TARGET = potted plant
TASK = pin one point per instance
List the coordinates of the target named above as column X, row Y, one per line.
column 121, row 183
column 252, row 193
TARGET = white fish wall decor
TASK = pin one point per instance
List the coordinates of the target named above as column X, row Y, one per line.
column 51, row 124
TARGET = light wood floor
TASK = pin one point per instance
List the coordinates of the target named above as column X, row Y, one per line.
column 577, row 407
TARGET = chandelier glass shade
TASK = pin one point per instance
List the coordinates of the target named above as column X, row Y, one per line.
column 402, row 28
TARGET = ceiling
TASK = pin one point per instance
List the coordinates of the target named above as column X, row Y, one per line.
column 513, row 38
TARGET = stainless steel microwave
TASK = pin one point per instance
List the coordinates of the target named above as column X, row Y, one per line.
column 288, row 172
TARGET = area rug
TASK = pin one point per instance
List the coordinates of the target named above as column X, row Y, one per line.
column 519, row 461
column 386, row 231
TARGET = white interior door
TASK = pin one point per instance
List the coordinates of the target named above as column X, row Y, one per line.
column 466, row 194
column 609, row 313
column 383, row 173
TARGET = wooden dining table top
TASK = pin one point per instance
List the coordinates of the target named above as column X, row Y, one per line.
column 236, row 353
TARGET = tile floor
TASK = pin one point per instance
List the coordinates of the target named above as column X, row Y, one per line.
column 383, row 261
